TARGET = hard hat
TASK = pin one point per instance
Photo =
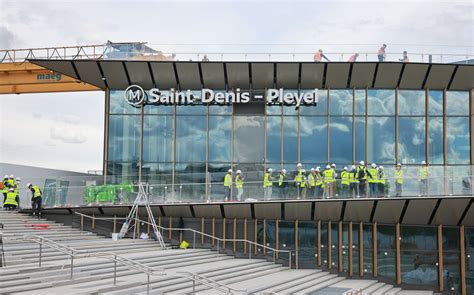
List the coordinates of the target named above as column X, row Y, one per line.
column 283, row 170
column 318, row 169
column 238, row 171
column 5, row 177
column 12, row 176
column 373, row 165
column 28, row 185
column 11, row 190
column 18, row 179
column 230, row 170
column 328, row 167
column 312, row 169
column 423, row 163
column 399, row 164
column 381, row 167
column 333, row 165
column 353, row 167
column 270, row 170
column 299, row 165
column 345, row 168
column 304, row 171
column 362, row 163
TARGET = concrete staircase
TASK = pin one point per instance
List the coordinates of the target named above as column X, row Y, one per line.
column 94, row 275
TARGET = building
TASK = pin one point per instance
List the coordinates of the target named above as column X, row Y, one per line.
column 384, row 113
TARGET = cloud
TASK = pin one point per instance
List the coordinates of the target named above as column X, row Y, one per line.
column 69, row 119
column 66, row 134
column 6, row 38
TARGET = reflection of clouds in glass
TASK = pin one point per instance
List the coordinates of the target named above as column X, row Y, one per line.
column 157, row 138
column 320, row 108
column 436, row 102
column 124, row 135
column 341, row 102
column 457, row 137
column 219, row 138
column 190, row 138
column 309, row 127
column 411, row 140
column 248, row 139
column 381, row 102
column 381, row 139
column 360, row 102
column 411, row 102
column 457, row 103
column 313, row 139
column 340, row 127
column 436, row 140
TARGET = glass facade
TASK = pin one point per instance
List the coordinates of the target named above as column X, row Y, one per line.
column 347, row 125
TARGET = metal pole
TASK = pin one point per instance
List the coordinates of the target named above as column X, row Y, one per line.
column 194, row 240
column 289, row 260
column 115, row 270
column 72, row 264
column 41, row 253
column 194, row 285
column 250, row 250
column 217, row 246
column 148, row 284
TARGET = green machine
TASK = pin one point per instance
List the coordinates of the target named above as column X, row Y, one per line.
column 108, row 193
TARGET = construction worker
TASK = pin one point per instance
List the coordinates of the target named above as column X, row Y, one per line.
column 362, row 174
column 382, row 180
column 333, row 167
column 319, row 189
column 345, row 182
column 329, row 179
column 303, row 185
column 36, row 198
column 381, row 53
column 405, row 57
column 353, row 57
column 398, row 180
column 423, row 178
column 11, row 181
column 311, row 182
column 299, row 179
column 319, row 55
column 17, row 185
column 11, row 201
column 282, row 184
column 228, row 185
column 354, row 182
column 268, row 184
column 239, row 184
column 373, row 180
column 5, row 187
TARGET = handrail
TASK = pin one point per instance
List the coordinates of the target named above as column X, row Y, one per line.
column 149, row 271
column 203, row 234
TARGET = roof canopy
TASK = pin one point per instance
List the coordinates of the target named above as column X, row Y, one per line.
column 119, row 74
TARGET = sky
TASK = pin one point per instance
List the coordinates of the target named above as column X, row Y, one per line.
column 65, row 130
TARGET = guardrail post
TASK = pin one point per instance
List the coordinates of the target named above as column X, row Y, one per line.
column 41, row 253
column 194, row 240
column 250, row 250
column 148, row 283
column 82, row 223
column 115, row 270
column 289, row 260
column 72, row 264
column 194, row 285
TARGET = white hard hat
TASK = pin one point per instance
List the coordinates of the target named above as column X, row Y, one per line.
column 345, row 168
column 362, row 163
column 270, row 170
column 304, row 171
column 328, row 166
column 353, row 166
column 423, row 163
column 18, row 179
column 283, row 170
column 12, row 176
column 230, row 170
column 11, row 190
column 333, row 165
column 299, row 165
column 5, row 177
column 318, row 169
column 381, row 167
column 238, row 171
column 399, row 164
column 373, row 165
column 312, row 169
column 28, row 185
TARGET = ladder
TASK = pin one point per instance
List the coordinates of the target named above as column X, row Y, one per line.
column 141, row 199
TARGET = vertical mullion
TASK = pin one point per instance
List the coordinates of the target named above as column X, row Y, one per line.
column 353, row 125
column 264, row 237
column 329, row 245
column 208, row 179
column 276, row 237
column 245, row 236
column 255, row 236
column 318, row 244
column 328, row 105
column 106, row 134
column 445, row 144
column 366, row 124
column 374, row 250
column 440, row 258
column 427, row 126
column 397, row 255
column 396, row 125
column 140, row 148
column 265, row 118
column 296, row 244
column 349, row 231
column 340, row 261
column 175, row 141
column 462, row 260
column 223, row 232
column 361, row 249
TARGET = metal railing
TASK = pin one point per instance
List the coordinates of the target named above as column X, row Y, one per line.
column 196, row 232
column 132, row 264
column 63, row 52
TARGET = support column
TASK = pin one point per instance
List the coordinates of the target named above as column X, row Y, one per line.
column 349, row 231
column 213, row 231
column 462, row 260
column 361, row 249
column 264, row 237
column 234, row 234
column 170, row 226
column 374, row 252
column 329, row 246
column 202, row 230
column 318, row 245
column 223, row 233
column 296, row 243
column 276, row 237
column 440, row 258
column 245, row 236
column 398, row 274
column 255, row 251
column 340, row 258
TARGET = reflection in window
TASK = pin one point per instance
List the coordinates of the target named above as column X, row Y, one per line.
column 190, row 139
column 158, row 138
column 124, row 138
column 359, row 137
column 274, row 139
column 160, row 109
column 381, row 140
column 290, row 109
column 386, row 251
column 314, row 139
column 360, row 102
column 340, row 140
column 436, row 140
column 457, row 103
column 451, row 261
column 469, row 241
column 435, row 103
column 273, row 109
column 190, row 183
column 457, row 133
column 320, row 108
column 340, row 102
column 220, row 109
column 249, row 138
column 306, row 243
column 411, row 102
column 220, row 138
column 411, row 140
column 381, row 102
column 290, row 139
column 122, row 173
column 118, row 105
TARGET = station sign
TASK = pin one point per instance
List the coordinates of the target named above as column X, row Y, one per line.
column 137, row 97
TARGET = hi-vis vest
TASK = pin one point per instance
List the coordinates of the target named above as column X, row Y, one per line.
column 319, row 179
column 11, row 199
column 362, row 168
column 345, row 178
column 312, row 180
column 5, row 187
column 399, row 176
column 228, row 180
column 267, row 180
column 423, row 173
column 381, row 177
column 299, row 176
column 281, row 179
column 239, row 183
column 353, row 177
column 329, row 175
column 37, row 192
column 373, row 178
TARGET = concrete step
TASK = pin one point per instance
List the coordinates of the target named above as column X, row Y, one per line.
column 383, row 290
column 394, row 291
column 326, row 277
column 284, row 284
column 372, row 288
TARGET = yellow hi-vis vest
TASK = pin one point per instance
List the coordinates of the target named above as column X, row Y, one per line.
column 353, row 177
column 228, row 180
column 37, row 192
column 345, row 178
column 5, row 187
column 423, row 173
column 399, row 176
column 329, row 175
column 299, row 176
column 312, row 180
column 267, row 180
column 359, row 168
column 11, row 199
column 382, row 177
column 373, row 177
column 281, row 179
column 239, row 182
column 319, row 179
